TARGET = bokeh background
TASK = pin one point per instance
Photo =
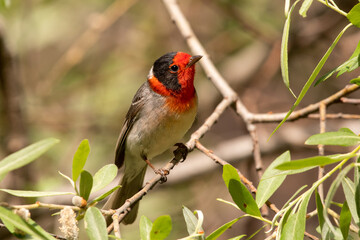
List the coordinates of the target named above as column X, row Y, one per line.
column 72, row 68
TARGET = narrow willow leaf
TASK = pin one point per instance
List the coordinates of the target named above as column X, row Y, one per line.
column 199, row 230
column 238, row 237
column 68, row 178
column 86, row 183
column 284, row 63
column 351, row 64
column 349, row 191
column 21, row 193
column 80, row 158
column 95, row 224
column 293, row 196
column 324, row 228
column 101, row 197
column 161, row 228
column 311, row 78
column 25, row 155
column 287, row 7
column 104, row 176
column 145, row 225
column 305, row 7
column 345, row 220
column 339, row 138
column 239, row 193
column 354, row 15
column 190, row 220
column 228, row 202
column 355, row 81
column 314, row 161
column 218, row 232
column 28, row 227
column 357, row 172
column 357, row 198
column 320, row 210
column 294, row 227
column 331, row 192
column 270, row 182
column 282, row 222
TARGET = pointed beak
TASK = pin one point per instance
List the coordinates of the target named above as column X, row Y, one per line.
column 193, row 60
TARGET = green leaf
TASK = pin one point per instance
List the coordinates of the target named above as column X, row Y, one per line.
column 355, row 81
column 339, row 138
column 324, row 228
column 345, row 220
column 270, row 182
column 21, row 193
column 349, row 192
column 161, row 228
column 239, row 193
column 68, row 178
column 294, row 227
column 95, row 224
column 353, row 61
column 218, row 232
column 287, row 7
column 357, row 199
column 305, row 7
column 101, row 197
column 284, row 64
column 347, row 66
column 29, row 227
column 25, row 155
column 104, row 176
column 354, row 15
column 228, row 202
column 145, row 228
column 238, row 237
column 331, row 192
column 282, row 221
column 86, row 183
column 314, row 161
column 190, row 220
column 351, row 64
column 80, row 158
column 320, row 210
column 311, row 78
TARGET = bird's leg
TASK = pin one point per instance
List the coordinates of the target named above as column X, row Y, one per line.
column 159, row 171
column 180, row 152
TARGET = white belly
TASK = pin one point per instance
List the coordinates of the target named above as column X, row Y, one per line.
column 154, row 133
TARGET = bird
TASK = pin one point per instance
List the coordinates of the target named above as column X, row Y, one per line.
column 162, row 111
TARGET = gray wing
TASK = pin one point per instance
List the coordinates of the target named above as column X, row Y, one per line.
column 131, row 117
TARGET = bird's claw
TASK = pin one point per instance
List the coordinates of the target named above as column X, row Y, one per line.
column 162, row 172
column 181, row 151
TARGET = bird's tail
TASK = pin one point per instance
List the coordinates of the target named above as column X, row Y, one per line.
column 129, row 186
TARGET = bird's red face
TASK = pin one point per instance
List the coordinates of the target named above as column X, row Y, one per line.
column 173, row 75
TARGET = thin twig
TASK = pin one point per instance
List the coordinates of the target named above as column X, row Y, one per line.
column 301, row 113
column 321, row 169
column 40, row 205
column 350, row 100
column 335, row 116
column 222, row 162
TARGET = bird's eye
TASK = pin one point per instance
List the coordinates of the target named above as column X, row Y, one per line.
column 174, row 68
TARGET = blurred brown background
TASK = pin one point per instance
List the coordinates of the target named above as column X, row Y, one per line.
column 69, row 70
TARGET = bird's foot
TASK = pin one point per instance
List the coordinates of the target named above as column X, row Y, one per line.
column 162, row 172
column 180, row 152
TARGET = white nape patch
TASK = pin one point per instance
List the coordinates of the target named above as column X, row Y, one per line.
column 151, row 73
